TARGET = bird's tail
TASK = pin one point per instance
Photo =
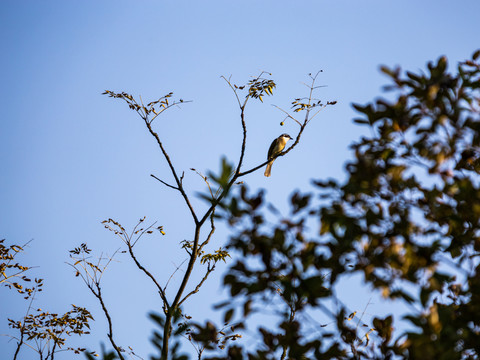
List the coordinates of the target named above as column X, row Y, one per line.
column 268, row 170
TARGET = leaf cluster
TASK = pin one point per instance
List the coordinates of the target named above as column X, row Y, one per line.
column 51, row 326
column 154, row 107
column 12, row 273
column 259, row 86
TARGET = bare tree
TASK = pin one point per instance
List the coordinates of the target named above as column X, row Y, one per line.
column 219, row 188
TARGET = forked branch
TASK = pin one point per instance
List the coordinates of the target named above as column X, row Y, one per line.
column 257, row 88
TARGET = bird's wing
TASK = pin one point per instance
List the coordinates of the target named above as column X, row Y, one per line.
column 270, row 150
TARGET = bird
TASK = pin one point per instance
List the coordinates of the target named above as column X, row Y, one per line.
column 276, row 148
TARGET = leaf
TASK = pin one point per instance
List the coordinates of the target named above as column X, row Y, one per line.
column 361, row 121
column 476, row 55
column 228, row 315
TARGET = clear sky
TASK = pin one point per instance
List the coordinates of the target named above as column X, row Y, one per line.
column 71, row 157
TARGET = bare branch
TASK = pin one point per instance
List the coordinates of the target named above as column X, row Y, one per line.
column 199, row 285
column 233, row 89
column 172, row 168
column 142, row 268
column 162, row 105
column 110, row 259
column 212, row 230
column 288, row 115
column 98, row 295
column 164, row 183
column 206, row 182
column 168, row 107
column 171, row 276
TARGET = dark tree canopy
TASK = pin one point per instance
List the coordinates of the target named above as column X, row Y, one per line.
column 407, row 218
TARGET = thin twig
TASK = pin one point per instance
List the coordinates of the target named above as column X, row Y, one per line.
column 233, row 89
column 98, row 295
column 212, row 230
column 142, row 268
column 363, row 313
column 288, row 115
column 206, row 181
column 164, row 183
column 171, row 276
column 141, row 234
column 175, row 103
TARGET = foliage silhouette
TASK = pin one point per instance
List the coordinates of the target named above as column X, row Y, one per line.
column 407, row 219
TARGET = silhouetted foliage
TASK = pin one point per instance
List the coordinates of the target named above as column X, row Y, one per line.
column 407, row 218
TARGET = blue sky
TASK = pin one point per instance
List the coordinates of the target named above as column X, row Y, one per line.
column 71, row 158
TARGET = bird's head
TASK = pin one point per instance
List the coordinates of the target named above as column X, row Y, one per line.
column 286, row 136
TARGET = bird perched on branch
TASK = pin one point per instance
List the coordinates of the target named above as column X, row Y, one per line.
column 276, row 148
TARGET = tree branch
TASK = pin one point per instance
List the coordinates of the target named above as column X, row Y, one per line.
column 142, row 268
column 98, row 295
column 164, row 183
column 199, row 285
column 212, row 230
column 176, row 269
column 172, row 168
